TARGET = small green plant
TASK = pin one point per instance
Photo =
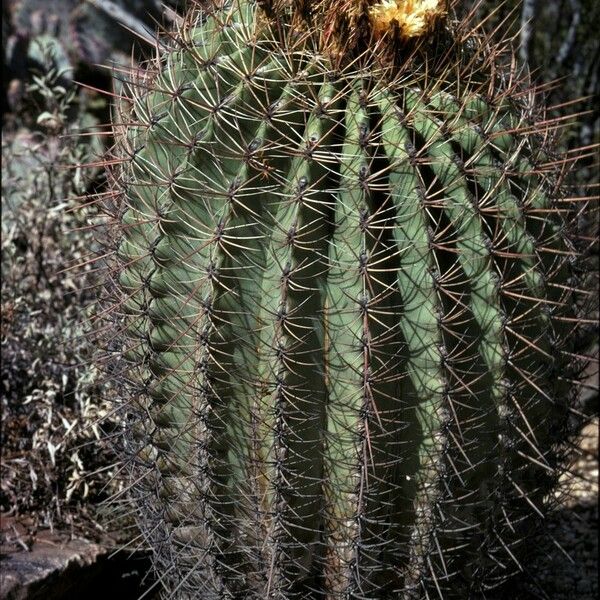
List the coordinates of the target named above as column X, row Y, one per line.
column 345, row 290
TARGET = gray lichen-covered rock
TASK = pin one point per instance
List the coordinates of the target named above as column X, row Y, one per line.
column 89, row 32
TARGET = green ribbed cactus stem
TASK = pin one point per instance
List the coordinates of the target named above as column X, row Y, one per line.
column 346, row 305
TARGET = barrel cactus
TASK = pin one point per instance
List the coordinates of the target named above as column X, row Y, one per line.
column 345, row 300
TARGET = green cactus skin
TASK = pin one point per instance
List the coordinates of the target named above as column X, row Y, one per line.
column 345, row 294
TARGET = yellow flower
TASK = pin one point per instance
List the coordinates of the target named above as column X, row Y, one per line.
column 414, row 17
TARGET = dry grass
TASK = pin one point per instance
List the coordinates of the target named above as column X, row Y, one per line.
column 54, row 464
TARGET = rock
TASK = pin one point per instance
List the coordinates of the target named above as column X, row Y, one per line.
column 58, row 568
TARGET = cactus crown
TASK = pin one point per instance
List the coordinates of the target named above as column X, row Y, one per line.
column 340, row 24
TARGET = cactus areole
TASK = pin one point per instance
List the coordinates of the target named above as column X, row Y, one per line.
column 344, row 294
